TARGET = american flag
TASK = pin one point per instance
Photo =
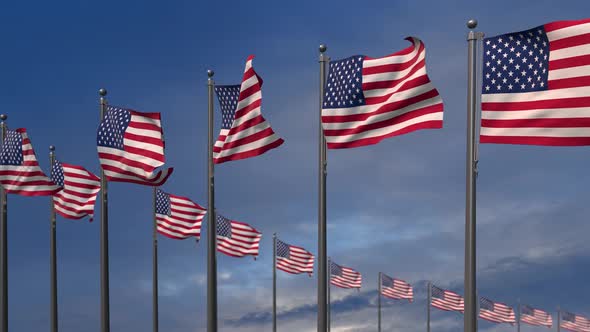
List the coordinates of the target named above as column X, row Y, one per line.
column 344, row 277
column 244, row 132
column 19, row 170
column 573, row 322
column 536, row 86
column 496, row 312
column 535, row 317
column 293, row 259
column 396, row 289
column 130, row 147
column 446, row 300
column 178, row 217
column 369, row 99
column 79, row 189
column 237, row 239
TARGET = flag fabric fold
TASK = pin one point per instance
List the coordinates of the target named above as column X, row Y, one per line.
column 130, row 147
column 344, row 277
column 244, row 131
column 535, row 317
column 573, row 322
column 396, row 289
column 369, row 99
column 19, row 169
column 536, row 86
column 293, row 259
column 446, row 300
column 496, row 312
column 79, row 188
column 178, row 217
column 237, row 239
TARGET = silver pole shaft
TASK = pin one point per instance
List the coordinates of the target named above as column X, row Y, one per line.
column 211, row 231
column 470, row 318
column 274, row 282
column 558, row 319
column 379, row 303
column 52, row 254
column 155, row 308
column 322, row 235
column 329, row 319
column 428, row 306
column 3, row 245
column 518, row 321
column 105, row 321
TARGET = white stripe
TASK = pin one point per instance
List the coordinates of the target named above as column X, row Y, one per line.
column 537, row 132
column 552, row 113
column 144, row 119
column 535, row 95
column 567, row 32
column 569, row 52
column 144, row 132
column 570, row 72
column 131, row 156
column 143, row 145
column 383, row 92
column 393, row 75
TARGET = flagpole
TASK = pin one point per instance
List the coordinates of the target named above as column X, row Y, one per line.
column 3, row 244
column 322, row 236
column 211, row 232
column 155, row 312
column 518, row 322
column 105, row 321
column 379, row 303
column 328, row 319
column 52, row 253
column 558, row 319
column 428, row 306
column 470, row 317
column 274, row 282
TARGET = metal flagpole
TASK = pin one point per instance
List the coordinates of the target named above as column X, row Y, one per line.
column 52, row 253
column 428, row 306
column 274, row 282
column 558, row 319
column 105, row 321
column 3, row 244
column 328, row 318
column 211, row 231
column 155, row 313
column 322, row 237
column 379, row 303
column 470, row 318
column 518, row 321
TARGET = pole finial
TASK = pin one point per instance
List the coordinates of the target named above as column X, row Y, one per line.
column 472, row 24
column 52, row 148
column 210, row 73
column 3, row 117
column 323, row 48
column 102, row 92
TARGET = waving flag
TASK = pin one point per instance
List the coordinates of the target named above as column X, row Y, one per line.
column 293, row 259
column 496, row 312
column 573, row 322
column 535, row 317
column 344, row 277
column 446, row 300
column 244, row 132
column 130, row 147
column 369, row 99
column 79, row 189
column 396, row 289
column 19, row 170
column 178, row 217
column 237, row 239
column 536, row 86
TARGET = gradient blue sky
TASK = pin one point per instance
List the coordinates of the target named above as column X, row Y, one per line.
column 397, row 207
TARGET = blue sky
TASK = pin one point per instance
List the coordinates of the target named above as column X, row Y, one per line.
column 397, row 207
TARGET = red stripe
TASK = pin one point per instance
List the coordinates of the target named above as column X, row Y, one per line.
column 537, row 123
column 532, row 140
column 411, row 84
column 572, row 82
column 145, row 126
column 392, row 83
column 125, row 162
column 249, row 139
column 156, row 181
column 250, row 153
column 572, row 41
column 175, row 237
column 144, row 139
column 542, row 104
column 575, row 61
column 564, row 24
column 388, row 68
column 245, row 110
column 152, row 115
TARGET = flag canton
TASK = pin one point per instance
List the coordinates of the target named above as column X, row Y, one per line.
column 162, row 203
column 335, row 269
column 568, row 316
column 112, row 128
column 486, row 304
column 57, row 173
column 386, row 281
column 223, row 226
column 437, row 292
column 12, row 149
column 282, row 249
column 228, row 96
column 344, row 85
column 516, row 62
column 526, row 310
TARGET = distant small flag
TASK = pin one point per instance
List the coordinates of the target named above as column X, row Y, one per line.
column 446, row 300
column 293, row 259
column 244, row 132
column 535, row 317
column 369, row 99
column 536, row 86
column 178, row 217
column 496, row 312
column 130, row 147
column 573, row 322
column 79, row 189
column 237, row 239
column 344, row 277
column 19, row 170
column 396, row 289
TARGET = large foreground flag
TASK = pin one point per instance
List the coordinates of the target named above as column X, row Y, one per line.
column 396, row 289
column 369, row 99
column 178, row 217
column 535, row 317
column 573, row 322
column 130, row 147
column 536, row 86
column 446, row 300
column 344, row 277
column 79, row 189
column 244, row 132
column 237, row 239
column 294, row 259
column 19, row 170
column 496, row 312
